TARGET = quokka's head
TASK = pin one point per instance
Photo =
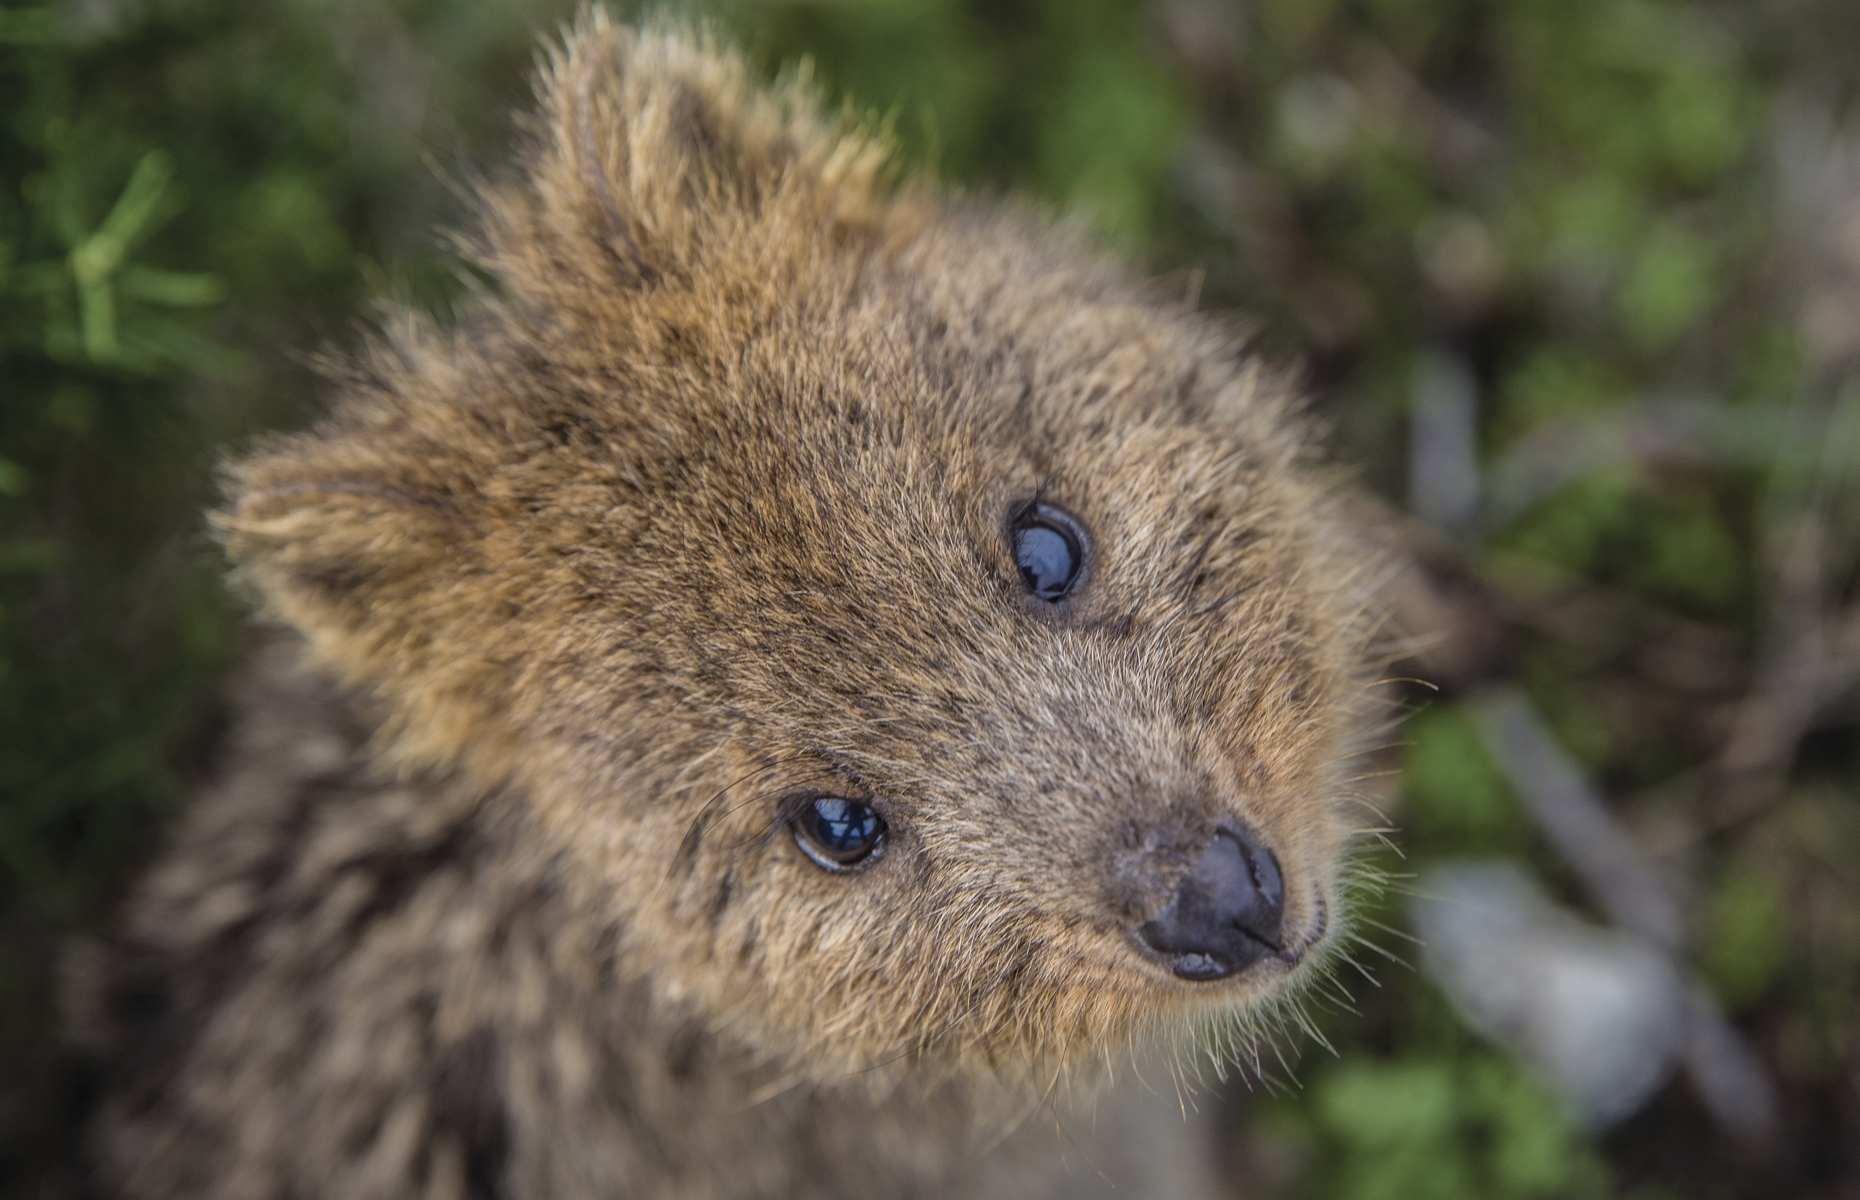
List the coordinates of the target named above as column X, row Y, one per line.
column 916, row 635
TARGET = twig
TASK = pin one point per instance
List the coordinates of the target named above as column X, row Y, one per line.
column 1728, row 1075
column 1574, row 818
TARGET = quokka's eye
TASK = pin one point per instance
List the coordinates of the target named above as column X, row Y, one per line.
column 838, row 834
column 1049, row 549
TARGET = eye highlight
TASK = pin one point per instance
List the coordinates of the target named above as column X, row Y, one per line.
column 838, row 834
column 1049, row 549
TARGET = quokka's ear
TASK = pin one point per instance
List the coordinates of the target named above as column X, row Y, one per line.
column 366, row 533
column 409, row 535
column 654, row 151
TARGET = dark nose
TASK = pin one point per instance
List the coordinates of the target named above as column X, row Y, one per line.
column 1226, row 912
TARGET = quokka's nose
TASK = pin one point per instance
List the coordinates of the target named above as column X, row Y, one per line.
column 1226, row 912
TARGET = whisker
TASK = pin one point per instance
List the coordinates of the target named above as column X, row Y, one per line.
column 1384, row 951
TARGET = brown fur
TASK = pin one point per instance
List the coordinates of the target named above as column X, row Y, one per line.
column 703, row 507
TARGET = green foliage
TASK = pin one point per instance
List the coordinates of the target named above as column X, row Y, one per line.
column 1669, row 544
column 1746, row 936
column 1041, row 94
column 1457, row 797
column 1470, row 1127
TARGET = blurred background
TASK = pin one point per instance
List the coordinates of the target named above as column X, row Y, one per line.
column 1577, row 283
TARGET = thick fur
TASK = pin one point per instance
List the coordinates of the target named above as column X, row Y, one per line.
column 703, row 508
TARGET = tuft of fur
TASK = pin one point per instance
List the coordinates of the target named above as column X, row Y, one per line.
column 701, row 508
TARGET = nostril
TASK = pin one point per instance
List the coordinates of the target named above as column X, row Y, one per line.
column 1227, row 911
column 1263, row 867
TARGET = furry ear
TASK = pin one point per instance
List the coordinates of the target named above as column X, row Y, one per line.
column 365, row 533
column 650, row 147
column 410, row 535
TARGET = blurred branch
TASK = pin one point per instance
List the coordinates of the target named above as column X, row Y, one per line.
column 1576, row 820
column 1659, row 433
column 1443, row 442
column 1728, row 1075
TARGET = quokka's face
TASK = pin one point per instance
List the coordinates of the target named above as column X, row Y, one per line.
column 920, row 638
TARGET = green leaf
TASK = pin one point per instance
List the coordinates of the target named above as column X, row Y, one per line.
column 1455, row 787
column 1745, row 936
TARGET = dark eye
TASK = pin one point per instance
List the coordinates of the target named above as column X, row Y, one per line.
column 1049, row 549
column 838, row 834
